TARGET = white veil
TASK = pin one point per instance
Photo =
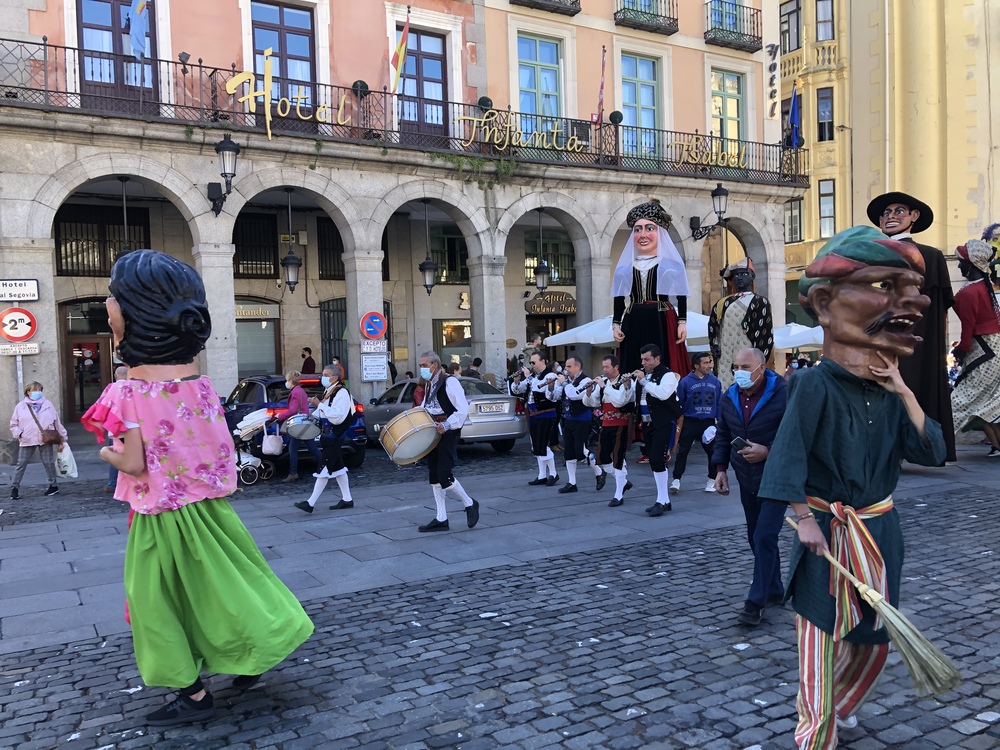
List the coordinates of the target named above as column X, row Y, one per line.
column 671, row 278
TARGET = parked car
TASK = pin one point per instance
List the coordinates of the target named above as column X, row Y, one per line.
column 269, row 392
column 494, row 417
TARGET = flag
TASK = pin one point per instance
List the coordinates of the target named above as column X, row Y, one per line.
column 138, row 25
column 600, row 95
column 795, row 120
column 399, row 56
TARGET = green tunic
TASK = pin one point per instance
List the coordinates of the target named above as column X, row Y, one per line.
column 843, row 439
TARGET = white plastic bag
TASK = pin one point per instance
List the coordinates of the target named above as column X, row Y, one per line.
column 271, row 445
column 65, row 463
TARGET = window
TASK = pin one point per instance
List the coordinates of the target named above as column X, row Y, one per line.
column 331, row 249
column 727, row 104
column 793, row 221
column 827, row 209
column 824, row 114
column 726, row 15
column 449, row 251
column 256, row 239
column 639, row 105
column 111, row 73
column 288, row 33
column 824, row 20
column 256, row 347
column 538, row 82
column 90, row 238
column 557, row 251
column 791, row 26
column 423, row 84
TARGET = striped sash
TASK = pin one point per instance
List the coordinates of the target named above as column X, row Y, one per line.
column 853, row 547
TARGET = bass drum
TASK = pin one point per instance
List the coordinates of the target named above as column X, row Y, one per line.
column 302, row 427
column 409, row 436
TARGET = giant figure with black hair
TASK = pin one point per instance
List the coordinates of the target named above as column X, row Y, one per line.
column 201, row 596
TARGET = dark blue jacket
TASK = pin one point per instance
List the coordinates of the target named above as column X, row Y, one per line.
column 763, row 427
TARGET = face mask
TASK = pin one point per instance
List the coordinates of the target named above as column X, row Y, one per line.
column 795, row 365
column 326, row 381
column 36, row 395
column 425, row 373
column 288, row 385
column 303, row 355
column 744, row 379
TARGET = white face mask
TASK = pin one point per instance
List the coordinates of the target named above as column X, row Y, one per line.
column 288, row 385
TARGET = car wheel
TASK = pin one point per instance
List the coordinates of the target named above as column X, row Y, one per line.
column 249, row 475
column 503, row 446
column 266, row 470
column 354, row 460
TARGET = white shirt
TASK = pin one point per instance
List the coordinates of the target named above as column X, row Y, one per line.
column 456, row 395
column 663, row 390
column 341, row 408
column 617, row 396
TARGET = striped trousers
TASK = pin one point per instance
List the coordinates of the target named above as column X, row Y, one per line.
column 835, row 679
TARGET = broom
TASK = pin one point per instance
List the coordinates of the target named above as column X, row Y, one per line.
column 933, row 673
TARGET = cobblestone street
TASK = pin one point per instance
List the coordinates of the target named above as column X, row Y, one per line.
column 627, row 646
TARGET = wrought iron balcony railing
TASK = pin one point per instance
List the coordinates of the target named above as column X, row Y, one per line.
column 562, row 7
column 729, row 24
column 46, row 77
column 657, row 16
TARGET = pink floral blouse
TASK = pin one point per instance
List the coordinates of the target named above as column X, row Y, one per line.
column 189, row 451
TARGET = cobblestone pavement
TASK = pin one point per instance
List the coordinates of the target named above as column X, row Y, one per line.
column 633, row 646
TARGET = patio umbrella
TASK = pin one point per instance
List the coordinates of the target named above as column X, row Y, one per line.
column 599, row 333
column 795, row 336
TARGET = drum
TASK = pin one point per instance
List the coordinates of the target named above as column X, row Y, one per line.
column 302, row 427
column 409, row 436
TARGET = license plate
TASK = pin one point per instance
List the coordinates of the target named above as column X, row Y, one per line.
column 492, row 408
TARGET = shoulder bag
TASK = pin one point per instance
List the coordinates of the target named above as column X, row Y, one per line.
column 49, row 437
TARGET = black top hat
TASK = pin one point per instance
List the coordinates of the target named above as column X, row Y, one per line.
column 882, row 202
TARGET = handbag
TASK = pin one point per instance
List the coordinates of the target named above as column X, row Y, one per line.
column 49, row 437
column 271, row 445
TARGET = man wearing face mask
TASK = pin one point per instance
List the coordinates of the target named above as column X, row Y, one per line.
column 336, row 413
column 749, row 415
column 447, row 405
column 308, row 363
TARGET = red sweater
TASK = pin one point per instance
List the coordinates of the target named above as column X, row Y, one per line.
column 975, row 309
column 298, row 403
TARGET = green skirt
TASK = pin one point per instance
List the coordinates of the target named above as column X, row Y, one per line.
column 202, row 597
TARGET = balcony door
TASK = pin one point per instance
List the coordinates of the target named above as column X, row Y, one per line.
column 421, row 102
column 111, row 78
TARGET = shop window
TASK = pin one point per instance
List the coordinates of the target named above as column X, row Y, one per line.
column 453, row 340
column 256, row 239
column 90, row 238
column 557, row 251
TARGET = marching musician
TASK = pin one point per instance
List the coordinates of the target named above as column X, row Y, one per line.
column 336, row 414
column 614, row 394
column 571, row 386
column 539, row 383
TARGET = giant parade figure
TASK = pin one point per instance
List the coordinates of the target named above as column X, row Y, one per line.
column 740, row 320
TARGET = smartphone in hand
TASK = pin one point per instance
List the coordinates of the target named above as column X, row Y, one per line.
column 739, row 443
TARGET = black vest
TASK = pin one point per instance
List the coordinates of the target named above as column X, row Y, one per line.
column 441, row 394
column 575, row 408
column 662, row 411
column 541, row 402
column 333, row 431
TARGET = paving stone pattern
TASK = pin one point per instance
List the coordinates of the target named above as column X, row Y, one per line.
column 626, row 647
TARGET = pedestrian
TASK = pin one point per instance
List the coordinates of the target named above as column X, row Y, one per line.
column 473, row 369
column 656, row 387
column 393, row 373
column 538, row 384
column 445, row 402
column 308, row 363
column 571, row 386
column 614, row 395
column 121, row 373
column 200, row 594
column 336, row 414
column 408, row 375
column 36, row 425
column 749, row 415
column 699, row 394
column 454, row 369
column 298, row 403
column 849, row 424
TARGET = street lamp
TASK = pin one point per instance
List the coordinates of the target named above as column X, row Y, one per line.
column 428, row 268
column 720, row 202
column 291, row 263
column 227, row 151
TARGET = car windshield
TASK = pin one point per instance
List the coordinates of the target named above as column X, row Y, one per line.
column 391, row 396
column 276, row 392
column 478, row 388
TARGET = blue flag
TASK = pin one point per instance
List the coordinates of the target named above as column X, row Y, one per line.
column 795, row 120
column 138, row 24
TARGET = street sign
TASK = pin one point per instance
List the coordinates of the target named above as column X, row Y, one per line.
column 373, row 325
column 12, row 349
column 18, row 290
column 374, row 368
column 374, row 346
column 17, row 324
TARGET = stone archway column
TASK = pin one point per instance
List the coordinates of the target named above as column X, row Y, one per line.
column 600, row 289
column 489, row 312
column 363, row 274
column 219, row 360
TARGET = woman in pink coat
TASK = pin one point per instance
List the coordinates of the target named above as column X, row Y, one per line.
column 32, row 415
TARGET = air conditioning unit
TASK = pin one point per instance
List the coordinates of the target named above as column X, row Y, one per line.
column 580, row 128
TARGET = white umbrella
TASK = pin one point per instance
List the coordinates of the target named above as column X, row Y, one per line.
column 795, row 336
column 599, row 333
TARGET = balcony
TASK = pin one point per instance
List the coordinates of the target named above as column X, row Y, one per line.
column 562, row 7
column 732, row 25
column 656, row 16
column 49, row 78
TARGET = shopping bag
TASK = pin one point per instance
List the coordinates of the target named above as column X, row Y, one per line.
column 65, row 463
column 271, row 445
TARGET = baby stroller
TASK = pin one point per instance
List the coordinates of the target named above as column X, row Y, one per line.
column 249, row 468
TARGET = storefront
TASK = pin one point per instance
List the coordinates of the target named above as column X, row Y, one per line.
column 258, row 338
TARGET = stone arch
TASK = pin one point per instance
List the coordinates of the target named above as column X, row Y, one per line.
column 756, row 250
column 570, row 214
column 142, row 168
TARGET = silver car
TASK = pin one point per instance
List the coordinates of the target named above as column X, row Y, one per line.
column 494, row 417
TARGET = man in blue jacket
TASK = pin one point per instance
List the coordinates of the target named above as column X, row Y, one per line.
column 699, row 393
column 749, row 415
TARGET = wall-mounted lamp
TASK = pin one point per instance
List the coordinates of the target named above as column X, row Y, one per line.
column 720, row 203
column 227, row 151
column 184, row 57
column 291, row 263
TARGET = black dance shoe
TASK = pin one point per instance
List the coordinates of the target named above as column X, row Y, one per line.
column 552, row 481
column 434, row 525
column 538, row 482
column 615, row 502
column 602, row 479
column 567, row 488
column 659, row 509
column 472, row 514
column 342, row 504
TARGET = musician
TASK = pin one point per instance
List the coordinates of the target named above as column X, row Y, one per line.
column 539, row 384
column 571, row 385
column 615, row 395
column 336, row 414
column 446, row 404
column 657, row 389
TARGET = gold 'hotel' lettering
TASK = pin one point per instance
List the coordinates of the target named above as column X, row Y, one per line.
column 697, row 151
column 485, row 127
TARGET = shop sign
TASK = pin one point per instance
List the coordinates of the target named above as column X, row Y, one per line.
column 254, row 311
column 699, row 150
column 551, row 303
column 18, row 290
column 506, row 136
column 772, row 81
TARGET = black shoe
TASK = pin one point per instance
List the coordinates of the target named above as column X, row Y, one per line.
column 651, row 508
column 602, row 479
column 751, row 614
column 994, row 453
column 342, row 504
column 627, row 487
column 434, row 525
column 471, row 514
column 52, row 490
column 182, row 710
column 13, row 493
column 552, row 481
column 538, row 482
column 303, row 505
column 659, row 509
column 567, row 488
column 245, row 681
column 615, row 502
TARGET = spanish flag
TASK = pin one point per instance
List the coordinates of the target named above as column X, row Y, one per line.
column 399, row 56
